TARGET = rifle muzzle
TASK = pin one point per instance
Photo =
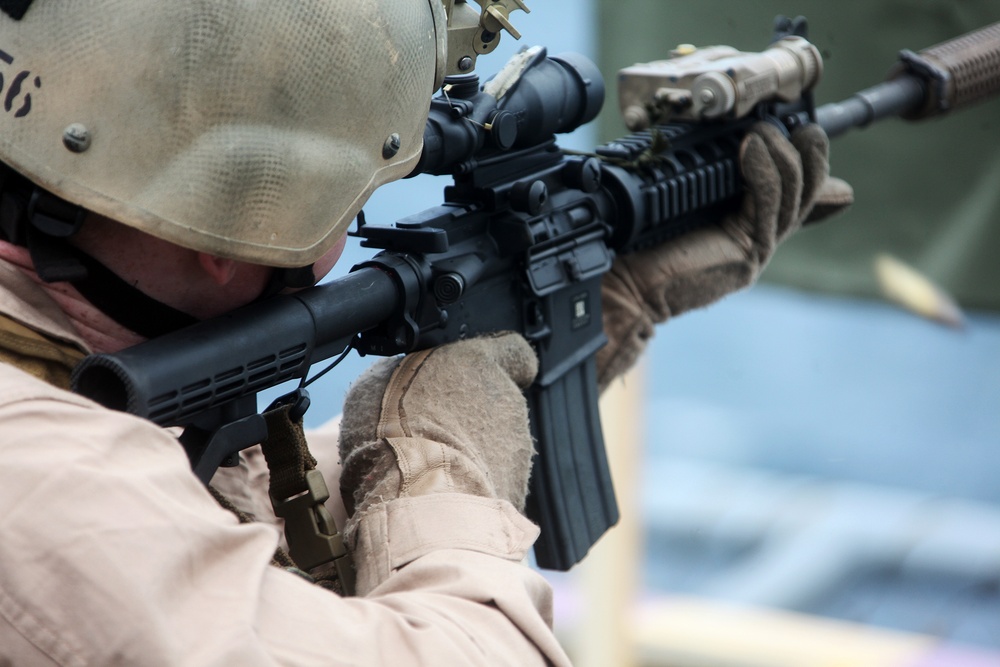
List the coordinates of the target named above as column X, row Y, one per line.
column 957, row 73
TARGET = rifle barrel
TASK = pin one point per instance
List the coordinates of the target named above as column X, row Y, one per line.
column 892, row 98
column 951, row 75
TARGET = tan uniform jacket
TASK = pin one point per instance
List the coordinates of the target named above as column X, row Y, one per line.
column 112, row 553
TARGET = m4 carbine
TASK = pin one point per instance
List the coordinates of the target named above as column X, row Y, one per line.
column 521, row 243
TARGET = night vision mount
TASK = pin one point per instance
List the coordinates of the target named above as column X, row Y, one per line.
column 472, row 33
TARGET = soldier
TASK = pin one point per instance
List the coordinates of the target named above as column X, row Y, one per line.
column 166, row 162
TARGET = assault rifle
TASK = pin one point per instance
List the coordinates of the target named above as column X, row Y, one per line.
column 521, row 243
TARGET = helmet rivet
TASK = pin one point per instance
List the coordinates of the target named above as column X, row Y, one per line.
column 465, row 64
column 76, row 137
column 391, row 146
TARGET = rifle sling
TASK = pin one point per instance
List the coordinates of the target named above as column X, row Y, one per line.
column 298, row 491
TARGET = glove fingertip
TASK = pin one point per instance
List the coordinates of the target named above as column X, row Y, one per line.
column 518, row 359
column 756, row 162
column 811, row 137
column 834, row 196
column 813, row 145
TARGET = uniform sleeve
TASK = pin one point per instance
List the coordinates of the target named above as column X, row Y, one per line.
column 113, row 553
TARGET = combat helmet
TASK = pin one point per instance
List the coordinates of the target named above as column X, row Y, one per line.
column 247, row 129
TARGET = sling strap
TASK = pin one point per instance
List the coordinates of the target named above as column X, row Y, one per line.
column 298, row 491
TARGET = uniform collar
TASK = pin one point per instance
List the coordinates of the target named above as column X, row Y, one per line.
column 26, row 302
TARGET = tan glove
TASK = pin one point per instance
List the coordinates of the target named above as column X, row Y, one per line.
column 447, row 420
column 787, row 183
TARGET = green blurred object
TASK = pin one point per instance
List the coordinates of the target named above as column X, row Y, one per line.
column 928, row 193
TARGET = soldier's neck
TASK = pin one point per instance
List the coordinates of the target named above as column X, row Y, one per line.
column 99, row 332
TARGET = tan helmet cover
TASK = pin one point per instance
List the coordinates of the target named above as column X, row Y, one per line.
column 249, row 129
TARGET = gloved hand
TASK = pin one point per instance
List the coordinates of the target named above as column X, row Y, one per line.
column 446, row 420
column 787, row 183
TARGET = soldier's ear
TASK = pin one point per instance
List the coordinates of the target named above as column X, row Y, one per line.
column 219, row 269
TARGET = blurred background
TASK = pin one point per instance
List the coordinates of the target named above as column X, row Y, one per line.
column 808, row 473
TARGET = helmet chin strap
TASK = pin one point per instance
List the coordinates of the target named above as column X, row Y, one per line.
column 56, row 259
column 43, row 223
